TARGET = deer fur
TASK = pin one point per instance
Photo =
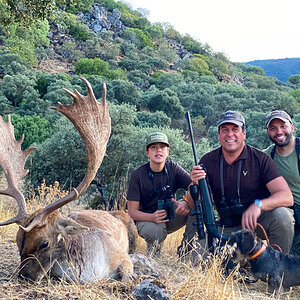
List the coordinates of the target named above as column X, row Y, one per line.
column 86, row 246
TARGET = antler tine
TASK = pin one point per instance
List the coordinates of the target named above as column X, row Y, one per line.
column 12, row 161
column 92, row 121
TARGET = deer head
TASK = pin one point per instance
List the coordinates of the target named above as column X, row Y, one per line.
column 92, row 121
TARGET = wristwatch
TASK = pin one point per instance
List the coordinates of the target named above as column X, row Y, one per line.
column 258, row 203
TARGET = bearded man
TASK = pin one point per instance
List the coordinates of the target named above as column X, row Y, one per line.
column 285, row 152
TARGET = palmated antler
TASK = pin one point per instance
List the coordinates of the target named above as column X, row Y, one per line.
column 12, row 161
column 92, row 121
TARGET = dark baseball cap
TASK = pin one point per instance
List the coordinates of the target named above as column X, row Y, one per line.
column 278, row 114
column 231, row 116
column 157, row 137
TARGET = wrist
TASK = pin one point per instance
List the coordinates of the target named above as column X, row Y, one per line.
column 258, row 203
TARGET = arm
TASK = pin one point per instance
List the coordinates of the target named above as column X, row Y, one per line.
column 280, row 196
column 137, row 215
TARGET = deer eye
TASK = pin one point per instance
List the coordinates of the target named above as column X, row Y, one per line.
column 44, row 245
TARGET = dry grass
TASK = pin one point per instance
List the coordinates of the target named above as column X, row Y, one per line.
column 184, row 281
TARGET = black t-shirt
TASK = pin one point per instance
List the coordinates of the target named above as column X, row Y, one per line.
column 141, row 186
column 257, row 169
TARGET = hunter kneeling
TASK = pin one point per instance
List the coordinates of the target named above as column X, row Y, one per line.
column 150, row 196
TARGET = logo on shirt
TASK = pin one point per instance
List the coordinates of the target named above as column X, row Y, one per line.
column 245, row 173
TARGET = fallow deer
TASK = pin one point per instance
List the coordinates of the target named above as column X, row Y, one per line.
column 87, row 245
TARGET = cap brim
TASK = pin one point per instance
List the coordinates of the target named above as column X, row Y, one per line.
column 158, row 142
column 238, row 123
column 277, row 117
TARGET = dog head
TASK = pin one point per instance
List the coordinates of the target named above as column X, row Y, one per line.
column 244, row 243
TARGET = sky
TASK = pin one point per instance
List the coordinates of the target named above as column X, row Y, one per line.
column 244, row 30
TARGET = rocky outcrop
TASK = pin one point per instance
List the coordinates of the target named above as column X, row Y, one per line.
column 101, row 20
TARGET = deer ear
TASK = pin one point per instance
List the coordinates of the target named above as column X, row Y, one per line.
column 69, row 226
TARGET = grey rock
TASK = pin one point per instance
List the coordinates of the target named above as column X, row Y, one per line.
column 150, row 289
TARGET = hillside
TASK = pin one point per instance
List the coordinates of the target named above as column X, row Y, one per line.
column 153, row 76
column 281, row 69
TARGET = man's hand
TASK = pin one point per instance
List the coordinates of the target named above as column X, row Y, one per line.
column 197, row 174
column 159, row 216
column 182, row 207
column 249, row 218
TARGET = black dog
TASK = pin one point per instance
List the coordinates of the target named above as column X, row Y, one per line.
column 267, row 264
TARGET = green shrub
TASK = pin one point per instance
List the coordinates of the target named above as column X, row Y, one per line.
column 138, row 37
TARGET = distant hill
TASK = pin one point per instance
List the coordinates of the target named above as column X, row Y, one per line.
column 282, row 69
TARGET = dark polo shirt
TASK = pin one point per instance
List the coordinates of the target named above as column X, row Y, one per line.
column 141, row 186
column 257, row 169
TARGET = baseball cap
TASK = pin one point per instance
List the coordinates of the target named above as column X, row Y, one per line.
column 156, row 137
column 278, row 114
column 231, row 116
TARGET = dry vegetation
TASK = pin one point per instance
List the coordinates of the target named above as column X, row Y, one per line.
column 181, row 279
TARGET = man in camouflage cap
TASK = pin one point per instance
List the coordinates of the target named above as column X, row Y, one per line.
column 151, row 195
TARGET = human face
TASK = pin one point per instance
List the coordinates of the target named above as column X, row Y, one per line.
column 280, row 132
column 232, row 138
column 157, row 153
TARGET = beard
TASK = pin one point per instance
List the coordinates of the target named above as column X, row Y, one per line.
column 287, row 140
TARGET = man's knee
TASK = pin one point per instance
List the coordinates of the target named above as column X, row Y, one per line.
column 279, row 224
column 152, row 232
column 283, row 217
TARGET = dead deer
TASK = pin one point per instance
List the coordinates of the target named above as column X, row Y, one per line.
column 87, row 245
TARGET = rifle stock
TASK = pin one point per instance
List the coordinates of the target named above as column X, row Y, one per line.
column 203, row 210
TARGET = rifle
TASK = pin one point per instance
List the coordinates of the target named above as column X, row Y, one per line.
column 203, row 209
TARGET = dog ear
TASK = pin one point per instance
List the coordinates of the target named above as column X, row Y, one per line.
column 247, row 242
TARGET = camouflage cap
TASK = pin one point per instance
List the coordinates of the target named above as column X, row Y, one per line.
column 278, row 114
column 231, row 116
column 157, row 137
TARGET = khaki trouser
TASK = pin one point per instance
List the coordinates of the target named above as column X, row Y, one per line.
column 153, row 232
column 278, row 224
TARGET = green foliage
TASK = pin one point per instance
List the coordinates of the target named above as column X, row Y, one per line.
column 138, row 37
column 170, row 32
column 295, row 79
column 69, row 49
column 23, row 41
column 97, row 66
column 27, row 11
column 75, row 6
column 75, row 28
column 35, row 129
column 281, row 69
column 6, row 106
column 155, row 30
column 124, row 92
column 164, row 80
column 11, row 63
column 103, row 47
column 17, row 87
column 194, row 46
column 58, row 157
column 165, row 51
column 219, row 68
column 139, row 78
column 195, row 64
column 296, row 95
column 251, row 69
column 147, row 119
column 166, row 101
